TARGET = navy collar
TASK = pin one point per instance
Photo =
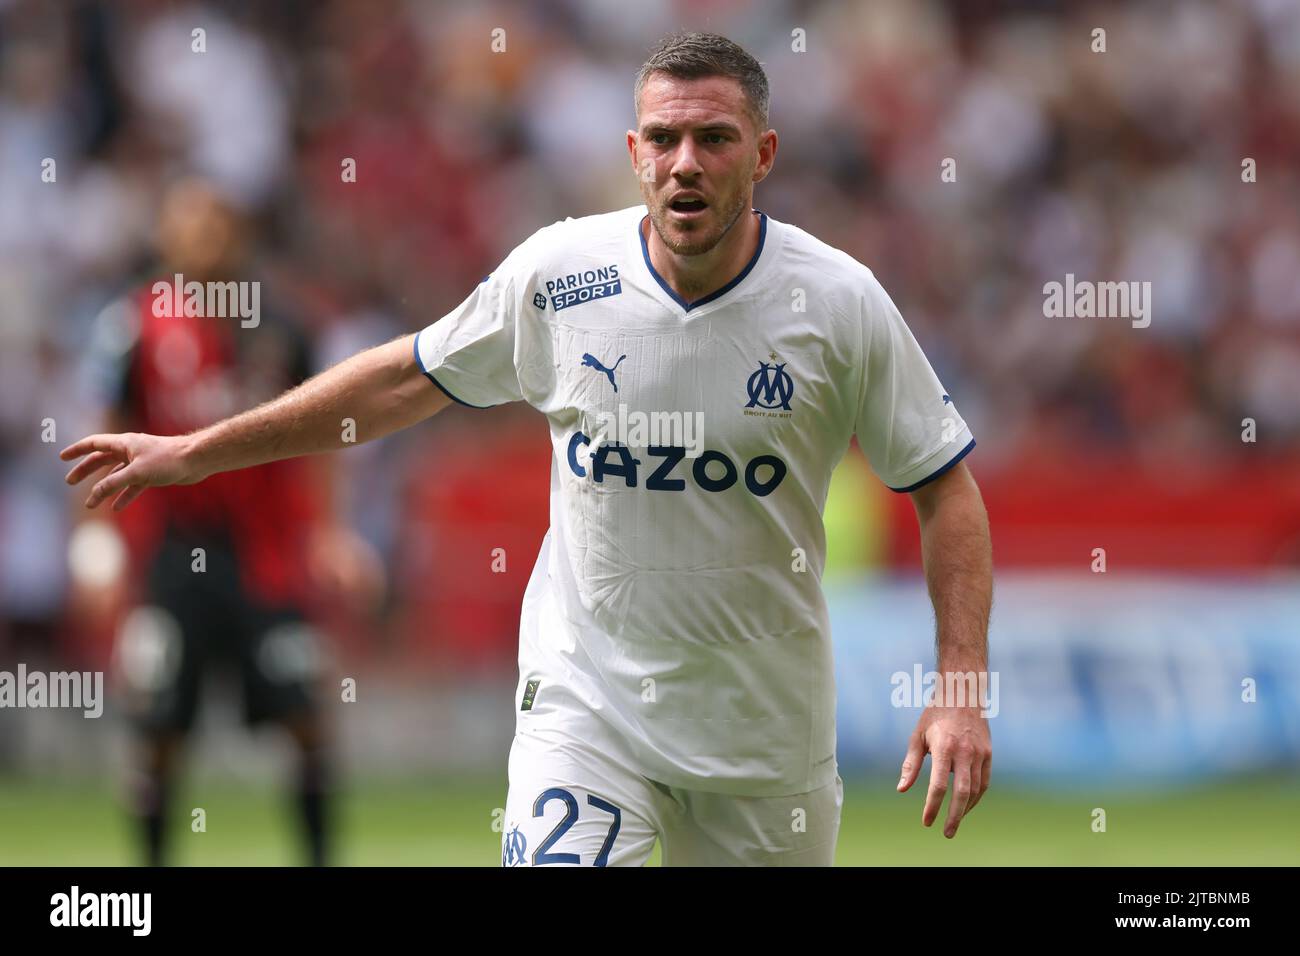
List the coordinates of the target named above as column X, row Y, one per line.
column 687, row 306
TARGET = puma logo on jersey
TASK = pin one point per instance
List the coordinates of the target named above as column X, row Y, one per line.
column 591, row 361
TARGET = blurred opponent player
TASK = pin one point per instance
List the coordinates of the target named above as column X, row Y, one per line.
column 221, row 569
column 702, row 368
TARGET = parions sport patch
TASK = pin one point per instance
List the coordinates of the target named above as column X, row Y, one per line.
column 579, row 287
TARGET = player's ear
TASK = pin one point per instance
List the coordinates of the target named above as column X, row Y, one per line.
column 631, row 149
column 766, row 155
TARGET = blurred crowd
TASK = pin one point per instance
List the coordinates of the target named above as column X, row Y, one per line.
column 473, row 124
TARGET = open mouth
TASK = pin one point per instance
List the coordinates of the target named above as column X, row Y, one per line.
column 688, row 206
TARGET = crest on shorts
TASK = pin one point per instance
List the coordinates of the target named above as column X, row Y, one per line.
column 513, row 848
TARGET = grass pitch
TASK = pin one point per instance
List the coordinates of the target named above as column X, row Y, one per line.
column 449, row 822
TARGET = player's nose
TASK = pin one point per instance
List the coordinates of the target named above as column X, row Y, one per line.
column 685, row 161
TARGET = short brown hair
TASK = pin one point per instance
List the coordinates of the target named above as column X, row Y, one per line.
column 689, row 56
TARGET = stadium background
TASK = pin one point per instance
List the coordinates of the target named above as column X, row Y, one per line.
column 1120, row 690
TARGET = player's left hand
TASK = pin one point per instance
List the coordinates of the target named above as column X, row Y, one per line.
column 957, row 740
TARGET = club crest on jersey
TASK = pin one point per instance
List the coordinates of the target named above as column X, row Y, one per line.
column 579, row 287
column 770, row 387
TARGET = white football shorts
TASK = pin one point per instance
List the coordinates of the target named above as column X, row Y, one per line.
column 572, row 802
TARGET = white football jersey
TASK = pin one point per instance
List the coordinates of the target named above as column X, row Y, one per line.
column 678, row 590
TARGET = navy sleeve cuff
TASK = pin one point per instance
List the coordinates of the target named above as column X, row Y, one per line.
column 429, row 375
column 929, row 478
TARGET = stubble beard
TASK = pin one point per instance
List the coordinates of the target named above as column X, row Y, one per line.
column 695, row 244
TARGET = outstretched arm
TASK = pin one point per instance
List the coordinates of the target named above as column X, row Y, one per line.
column 381, row 389
column 959, row 573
